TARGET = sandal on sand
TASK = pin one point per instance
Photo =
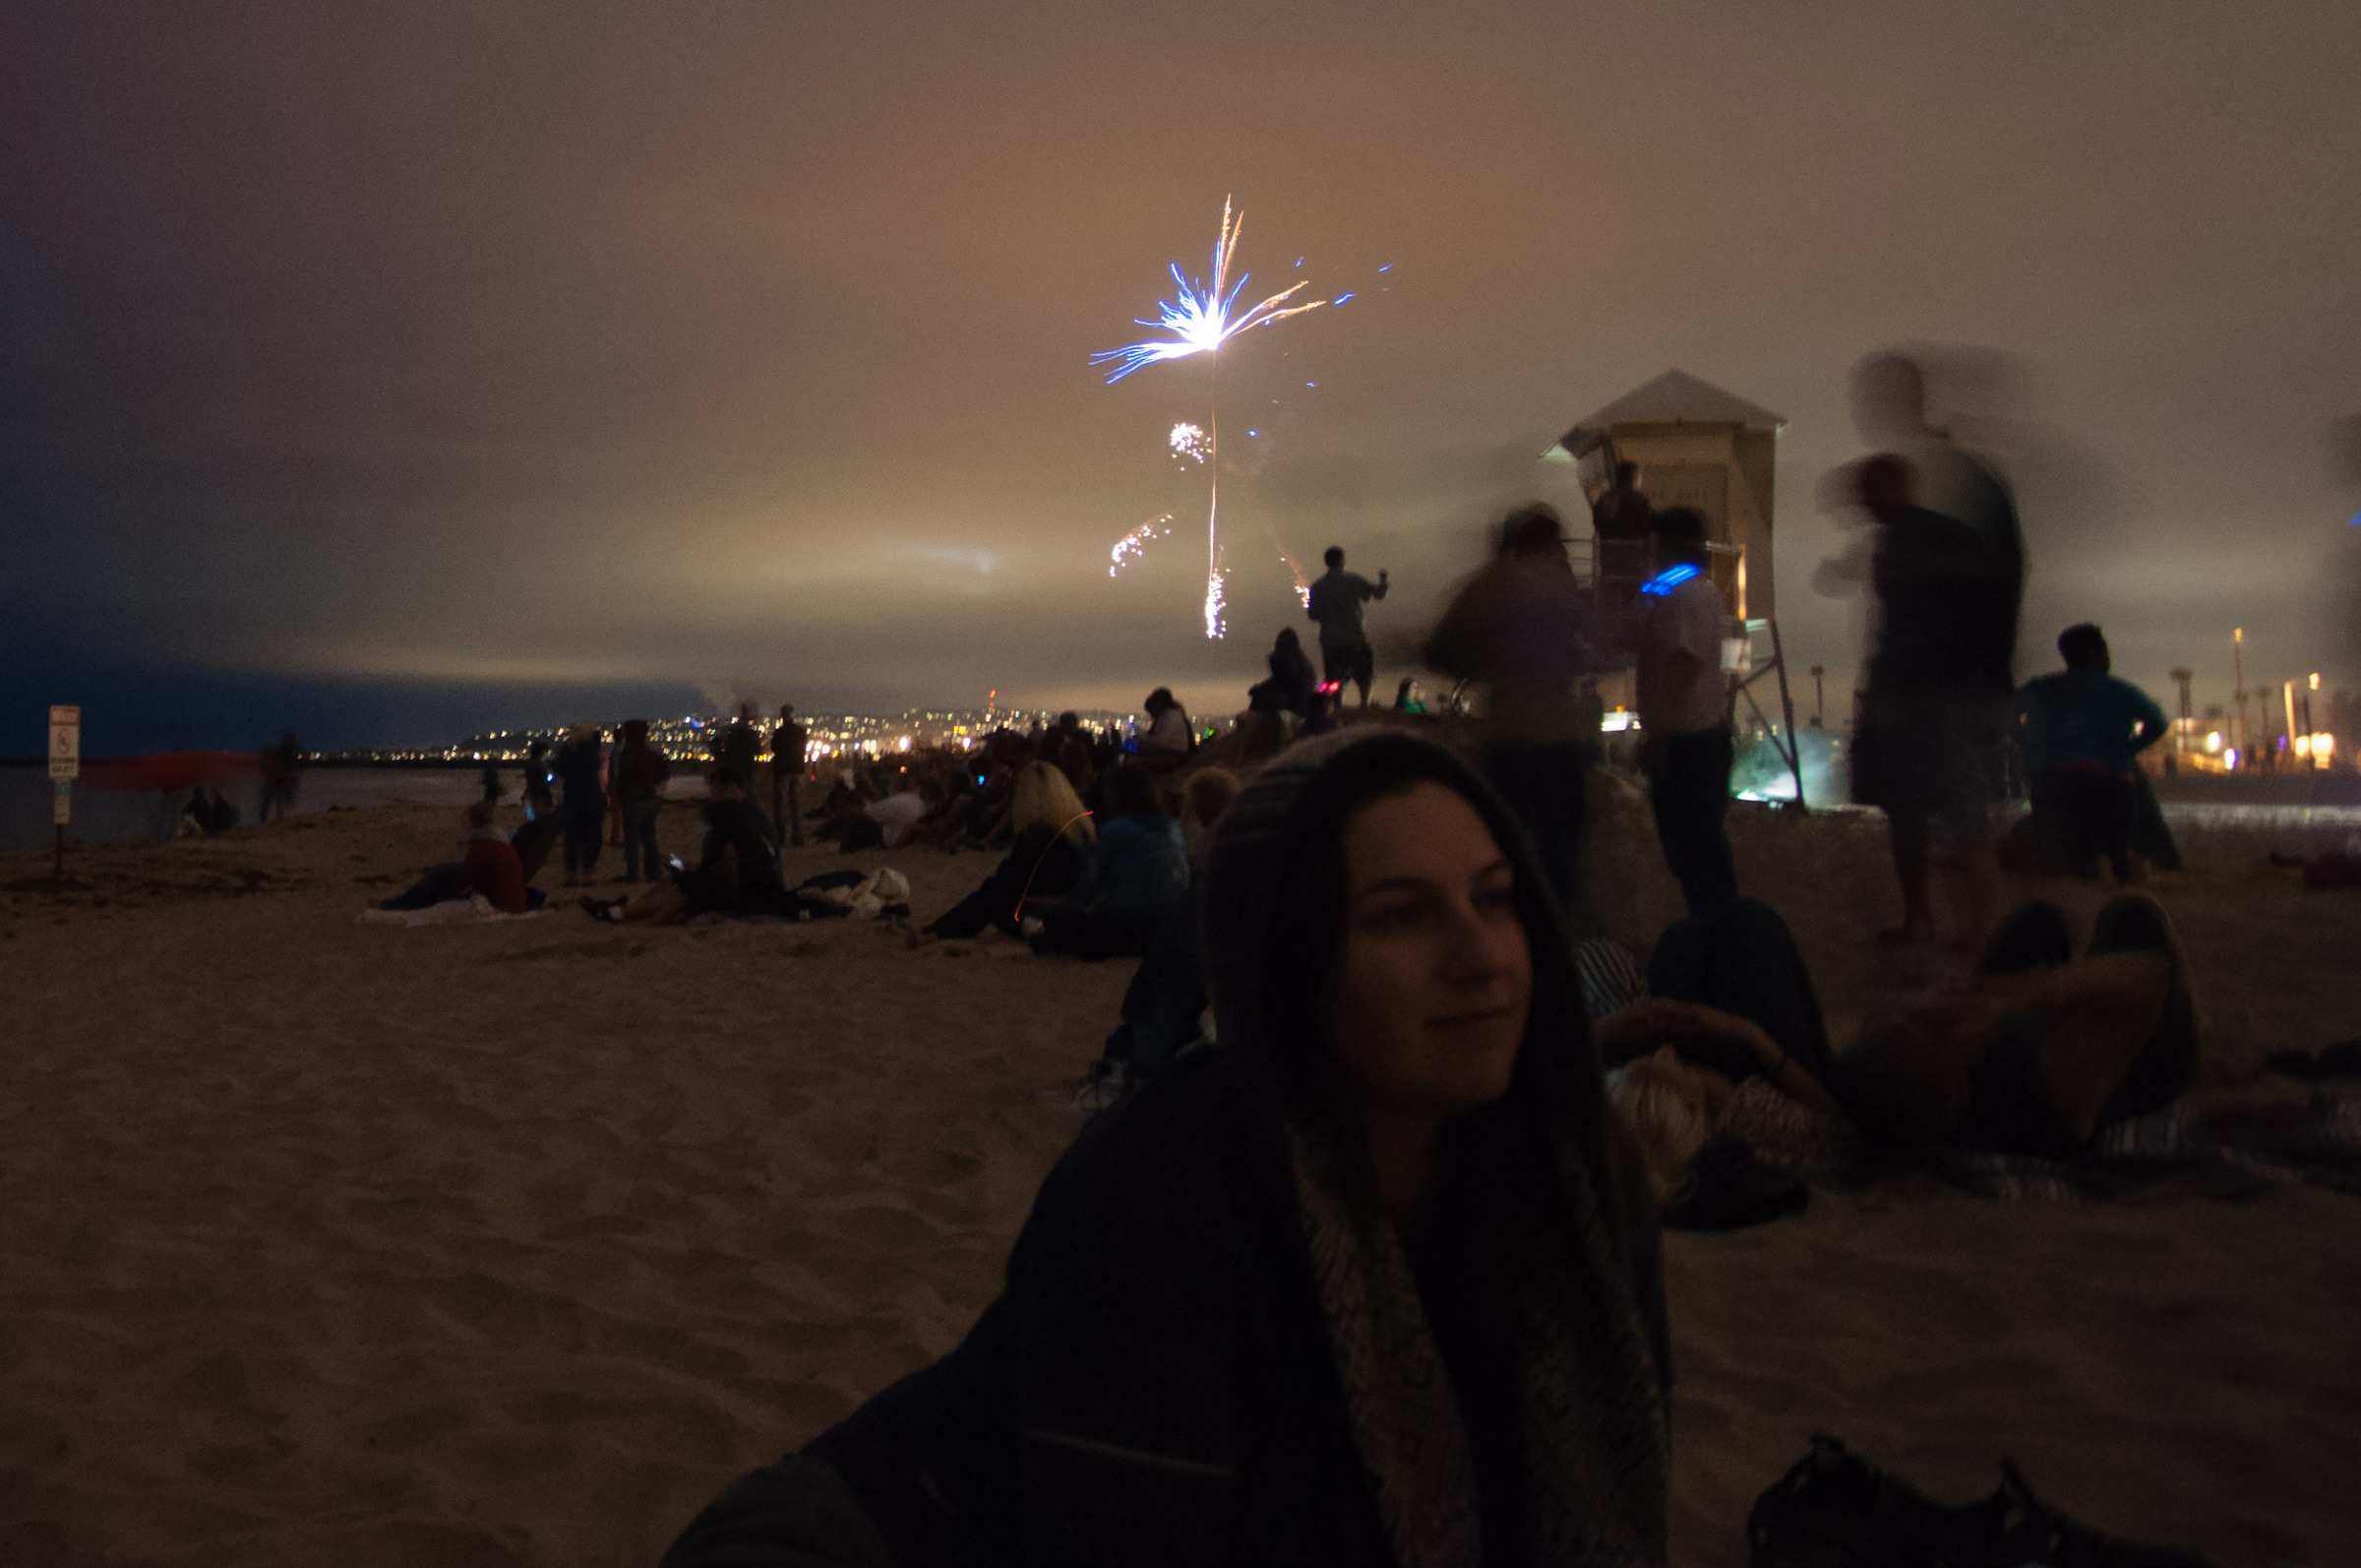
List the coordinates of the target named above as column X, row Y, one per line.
column 1834, row 1509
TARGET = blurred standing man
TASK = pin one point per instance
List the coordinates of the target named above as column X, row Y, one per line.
column 1522, row 626
column 283, row 766
column 636, row 782
column 1335, row 603
column 739, row 743
column 582, row 775
column 1685, row 713
column 787, row 746
column 1948, row 576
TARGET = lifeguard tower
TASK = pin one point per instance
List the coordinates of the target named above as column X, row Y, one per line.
column 1699, row 447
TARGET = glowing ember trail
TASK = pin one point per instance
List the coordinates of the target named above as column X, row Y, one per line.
column 1128, row 548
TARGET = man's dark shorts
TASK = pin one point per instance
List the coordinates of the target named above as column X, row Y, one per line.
column 1357, row 664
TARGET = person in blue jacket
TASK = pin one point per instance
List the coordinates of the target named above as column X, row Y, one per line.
column 1374, row 1279
column 1138, row 869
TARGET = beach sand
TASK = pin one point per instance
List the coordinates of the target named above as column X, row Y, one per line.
column 506, row 1243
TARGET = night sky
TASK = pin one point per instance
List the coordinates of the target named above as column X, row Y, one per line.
column 394, row 371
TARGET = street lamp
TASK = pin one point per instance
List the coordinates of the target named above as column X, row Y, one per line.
column 2238, row 686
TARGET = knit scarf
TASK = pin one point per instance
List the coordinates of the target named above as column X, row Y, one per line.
column 1590, row 1435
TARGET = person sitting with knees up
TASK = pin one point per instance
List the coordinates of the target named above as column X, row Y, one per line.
column 1375, row 1281
column 1054, row 842
column 1137, row 870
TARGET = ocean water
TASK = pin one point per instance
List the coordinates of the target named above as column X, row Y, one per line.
column 112, row 815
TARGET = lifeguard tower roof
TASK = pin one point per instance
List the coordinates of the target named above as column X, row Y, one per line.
column 1675, row 397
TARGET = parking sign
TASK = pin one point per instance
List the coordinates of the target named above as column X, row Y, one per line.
column 65, row 741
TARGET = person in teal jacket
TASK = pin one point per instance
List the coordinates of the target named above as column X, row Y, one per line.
column 1138, row 869
column 2081, row 731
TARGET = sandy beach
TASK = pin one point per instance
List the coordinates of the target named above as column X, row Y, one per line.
column 511, row 1244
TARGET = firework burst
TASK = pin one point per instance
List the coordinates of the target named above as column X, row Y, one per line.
column 1189, row 443
column 1200, row 318
column 1204, row 316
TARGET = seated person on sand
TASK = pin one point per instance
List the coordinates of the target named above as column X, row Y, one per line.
column 206, row 813
column 737, row 872
column 1289, row 687
column 1377, row 1282
column 1203, row 799
column 2033, row 1053
column 2079, row 731
column 1054, row 843
column 493, row 866
column 1169, row 736
column 1166, row 999
column 1137, row 870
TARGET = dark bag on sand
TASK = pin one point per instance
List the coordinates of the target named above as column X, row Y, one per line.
column 1834, row 1509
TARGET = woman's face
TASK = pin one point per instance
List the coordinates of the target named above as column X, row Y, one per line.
column 1434, row 977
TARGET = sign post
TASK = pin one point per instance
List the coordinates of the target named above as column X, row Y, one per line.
column 65, row 767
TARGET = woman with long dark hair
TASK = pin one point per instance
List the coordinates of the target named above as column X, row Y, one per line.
column 1374, row 1280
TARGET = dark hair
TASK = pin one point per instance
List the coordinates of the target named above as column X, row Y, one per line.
column 1160, row 699
column 1308, row 932
column 1286, row 638
column 2082, row 644
column 1627, row 472
column 1683, row 530
column 1129, row 790
column 1334, row 555
column 1532, row 527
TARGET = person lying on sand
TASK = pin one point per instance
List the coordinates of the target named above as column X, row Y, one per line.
column 1379, row 1281
column 2033, row 1053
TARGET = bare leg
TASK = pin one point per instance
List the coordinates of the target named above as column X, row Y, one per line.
column 2100, row 1015
column 664, row 901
